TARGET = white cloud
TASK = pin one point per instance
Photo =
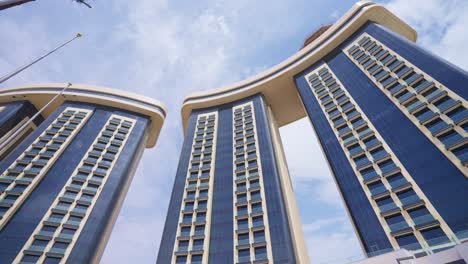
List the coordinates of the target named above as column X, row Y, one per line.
column 167, row 50
column 441, row 26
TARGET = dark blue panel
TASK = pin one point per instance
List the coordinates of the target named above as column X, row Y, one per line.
column 221, row 236
column 11, row 115
column 280, row 235
column 367, row 225
column 93, row 237
column 22, row 224
column 432, row 171
column 166, row 246
column 221, row 240
column 443, row 71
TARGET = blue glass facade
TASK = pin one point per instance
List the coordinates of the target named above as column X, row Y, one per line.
column 221, row 245
column 95, row 231
column 443, row 183
column 11, row 115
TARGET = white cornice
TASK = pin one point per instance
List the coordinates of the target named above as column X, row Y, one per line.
column 40, row 94
column 277, row 83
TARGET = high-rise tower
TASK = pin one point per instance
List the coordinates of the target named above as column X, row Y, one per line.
column 64, row 177
column 232, row 200
column 392, row 122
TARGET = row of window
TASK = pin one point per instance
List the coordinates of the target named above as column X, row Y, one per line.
column 56, row 233
column 444, row 117
column 250, row 230
column 27, row 170
column 371, row 160
column 191, row 235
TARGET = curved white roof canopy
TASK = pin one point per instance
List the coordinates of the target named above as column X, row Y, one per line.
column 277, row 83
column 40, row 94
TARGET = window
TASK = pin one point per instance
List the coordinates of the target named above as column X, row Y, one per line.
column 40, row 243
column 435, row 236
column 396, row 222
column 202, row 205
column 257, row 221
column 243, row 238
column 421, row 215
column 181, row 259
column 197, row 259
column 260, row 253
column 242, row 210
column 244, row 255
column 256, row 208
column 30, row 259
column 397, row 180
column 243, row 223
column 188, row 206
column 199, row 230
column 408, row 242
column 187, row 218
column 201, row 217
column 377, row 188
column 259, row 236
column 183, row 244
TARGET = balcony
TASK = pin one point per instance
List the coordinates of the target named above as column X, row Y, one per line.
column 410, row 201
column 258, row 224
column 366, row 132
column 242, row 213
column 72, row 224
column 53, row 221
column 381, row 75
column 396, row 89
column 244, row 259
column 362, row 163
column 460, row 116
column 380, row 155
column 261, row 258
column 259, row 240
column 358, row 123
column 370, row 176
column 426, row 116
column 389, row 169
column 44, row 235
column 377, row 191
column 415, row 106
column 438, row 127
column 447, row 105
column 386, row 208
column 414, row 78
column 197, row 248
column 243, row 242
column 406, row 97
column 349, row 140
column 399, row 227
column 396, row 184
column 257, row 210
column 344, row 131
column 35, row 250
column 181, row 250
column 423, row 86
column 243, row 226
column 435, row 95
column 424, row 221
column 355, row 151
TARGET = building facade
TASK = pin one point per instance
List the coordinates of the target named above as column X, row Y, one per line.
column 391, row 119
column 232, row 200
column 63, row 182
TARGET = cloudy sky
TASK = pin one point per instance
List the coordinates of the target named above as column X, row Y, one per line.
column 168, row 49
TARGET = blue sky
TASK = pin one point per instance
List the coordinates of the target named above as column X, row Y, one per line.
column 168, row 49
